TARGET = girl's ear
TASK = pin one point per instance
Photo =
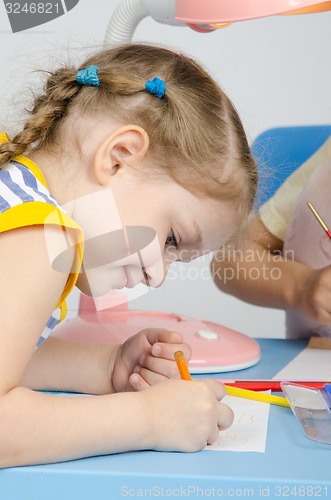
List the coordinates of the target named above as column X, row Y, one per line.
column 124, row 147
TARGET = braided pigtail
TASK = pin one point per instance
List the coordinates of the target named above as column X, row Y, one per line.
column 49, row 108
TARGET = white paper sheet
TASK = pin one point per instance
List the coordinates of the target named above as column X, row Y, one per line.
column 249, row 429
column 310, row 364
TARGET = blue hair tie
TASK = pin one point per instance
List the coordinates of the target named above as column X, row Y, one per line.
column 156, row 87
column 88, row 76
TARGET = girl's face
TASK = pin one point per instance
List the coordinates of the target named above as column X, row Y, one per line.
column 139, row 227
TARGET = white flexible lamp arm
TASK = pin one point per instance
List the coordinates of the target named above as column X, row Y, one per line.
column 129, row 13
column 124, row 21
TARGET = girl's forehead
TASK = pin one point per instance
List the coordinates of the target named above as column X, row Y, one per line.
column 213, row 224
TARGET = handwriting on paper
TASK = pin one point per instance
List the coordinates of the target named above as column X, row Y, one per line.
column 249, row 429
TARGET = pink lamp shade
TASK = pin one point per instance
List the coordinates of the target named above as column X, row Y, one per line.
column 200, row 15
column 208, row 15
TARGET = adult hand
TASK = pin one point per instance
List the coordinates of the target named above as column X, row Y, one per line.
column 314, row 294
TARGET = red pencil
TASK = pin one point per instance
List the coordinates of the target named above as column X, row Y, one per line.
column 266, row 385
column 320, row 220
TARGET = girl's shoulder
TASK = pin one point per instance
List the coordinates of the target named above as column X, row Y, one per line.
column 26, row 203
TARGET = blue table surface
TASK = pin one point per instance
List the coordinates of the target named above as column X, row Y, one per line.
column 292, row 465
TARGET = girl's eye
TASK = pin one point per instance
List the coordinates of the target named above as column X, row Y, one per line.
column 171, row 239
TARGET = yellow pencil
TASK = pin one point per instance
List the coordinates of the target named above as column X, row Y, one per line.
column 257, row 396
column 231, row 391
column 182, row 365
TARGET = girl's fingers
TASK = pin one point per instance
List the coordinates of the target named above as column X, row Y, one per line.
column 225, row 416
column 165, row 367
column 137, row 382
column 167, row 351
column 145, row 378
column 214, row 436
column 165, row 343
column 224, row 412
column 160, row 335
column 216, row 387
column 225, row 419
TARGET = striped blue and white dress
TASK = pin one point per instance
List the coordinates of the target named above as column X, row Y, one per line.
column 25, row 200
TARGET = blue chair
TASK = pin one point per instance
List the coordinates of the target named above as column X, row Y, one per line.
column 281, row 150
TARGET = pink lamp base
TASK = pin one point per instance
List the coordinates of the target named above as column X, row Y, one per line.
column 215, row 348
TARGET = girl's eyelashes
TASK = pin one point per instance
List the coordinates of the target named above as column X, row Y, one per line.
column 171, row 239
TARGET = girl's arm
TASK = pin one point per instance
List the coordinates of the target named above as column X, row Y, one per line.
column 174, row 415
column 105, row 368
column 84, row 367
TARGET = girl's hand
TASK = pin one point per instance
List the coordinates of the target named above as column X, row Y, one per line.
column 185, row 415
column 145, row 359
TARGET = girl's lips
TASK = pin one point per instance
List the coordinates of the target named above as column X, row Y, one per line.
column 131, row 283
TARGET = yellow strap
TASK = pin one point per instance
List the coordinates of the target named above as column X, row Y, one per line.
column 25, row 161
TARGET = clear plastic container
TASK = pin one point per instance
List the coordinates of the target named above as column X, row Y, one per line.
column 312, row 410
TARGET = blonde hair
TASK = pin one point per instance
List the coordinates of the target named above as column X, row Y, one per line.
column 195, row 132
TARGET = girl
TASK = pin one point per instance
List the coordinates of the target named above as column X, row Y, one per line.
column 110, row 147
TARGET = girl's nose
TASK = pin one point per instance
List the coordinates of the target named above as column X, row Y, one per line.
column 155, row 274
